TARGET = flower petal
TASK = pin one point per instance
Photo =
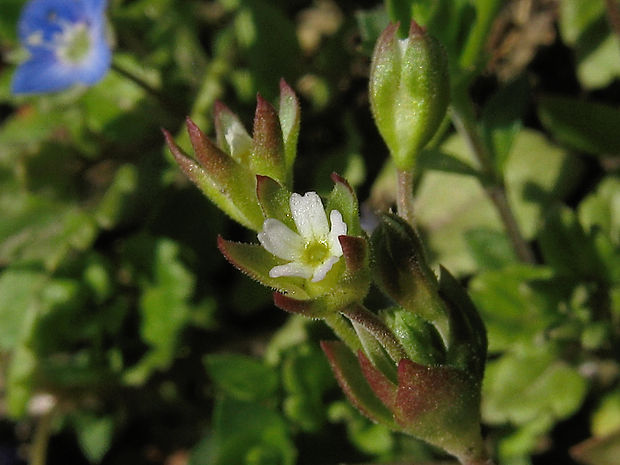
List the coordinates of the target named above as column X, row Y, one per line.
column 321, row 271
column 41, row 73
column 309, row 216
column 294, row 269
column 339, row 228
column 279, row 240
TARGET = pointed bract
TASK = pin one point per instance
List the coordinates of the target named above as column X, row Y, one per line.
column 267, row 157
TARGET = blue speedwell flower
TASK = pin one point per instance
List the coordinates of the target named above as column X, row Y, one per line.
column 67, row 45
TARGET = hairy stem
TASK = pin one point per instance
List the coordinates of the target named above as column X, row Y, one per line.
column 345, row 332
column 404, row 197
column 38, row 451
column 494, row 190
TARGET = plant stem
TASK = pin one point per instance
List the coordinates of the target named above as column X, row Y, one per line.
column 495, row 190
column 344, row 331
column 404, row 196
column 38, row 452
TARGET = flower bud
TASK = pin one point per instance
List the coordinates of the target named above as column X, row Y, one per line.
column 409, row 91
column 400, row 271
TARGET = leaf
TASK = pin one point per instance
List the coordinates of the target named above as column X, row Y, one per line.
column 568, row 249
column 490, row 249
column 241, row 377
column 245, row 433
column 306, row 377
column 502, row 119
column 582, row 125
column 448, row 205
column 19, row 293
column 94, row 434
column 576, row 16
column 519, row 388
column 164, row 308
column 514, row 303
column 606, row 417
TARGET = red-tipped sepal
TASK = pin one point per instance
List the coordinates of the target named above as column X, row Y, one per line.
column 225, row 182
column 315, row 308
column 267, row 156
column 351, row 380
column 442, row 406
column 256, row 262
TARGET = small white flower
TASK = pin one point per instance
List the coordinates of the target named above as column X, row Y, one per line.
column 314, row 248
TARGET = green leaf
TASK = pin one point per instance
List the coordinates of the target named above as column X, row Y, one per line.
column 606, row 417
column 519, row 388
column 490, row 249
column 600, row 66
column 576, row 16
column 94, row 434
column 568, row 249
column 19, row 294
column 515, row 303
column 164, row 308
column 241, row 377
column 582, row 125
column 245, row 433
column 306, row 377
column 601, row 209
column 502, row 119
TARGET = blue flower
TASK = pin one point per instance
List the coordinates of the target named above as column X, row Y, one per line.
column 67, row 45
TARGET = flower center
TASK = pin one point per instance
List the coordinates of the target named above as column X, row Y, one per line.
column 315, row 253
column 76, row 43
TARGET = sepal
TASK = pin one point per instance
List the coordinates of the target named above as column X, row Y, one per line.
column 255, row 261
column 468, row 338
column 267, row 156
column 274, row 200
column 226, row 183
column 343, row 198
column 400, row 270
column 351, row 380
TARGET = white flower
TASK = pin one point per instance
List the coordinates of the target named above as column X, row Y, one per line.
column 314, row 248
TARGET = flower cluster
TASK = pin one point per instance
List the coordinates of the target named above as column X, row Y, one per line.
column 415, row 366
column 66, row 43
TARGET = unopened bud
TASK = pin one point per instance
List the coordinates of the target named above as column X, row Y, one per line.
column 409, row 91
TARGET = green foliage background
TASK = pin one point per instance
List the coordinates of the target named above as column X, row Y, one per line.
column 115, row 301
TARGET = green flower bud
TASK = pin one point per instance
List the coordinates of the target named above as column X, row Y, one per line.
column 409, row 91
